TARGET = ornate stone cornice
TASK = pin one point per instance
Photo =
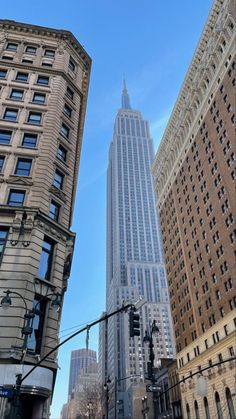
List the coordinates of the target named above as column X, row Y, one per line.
column 61, row 35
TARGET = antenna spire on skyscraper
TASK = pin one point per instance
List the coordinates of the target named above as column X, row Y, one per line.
column 125, row 101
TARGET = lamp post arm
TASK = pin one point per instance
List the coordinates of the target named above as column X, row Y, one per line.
column 44, row 298
column 105, row 317
column 19, row 295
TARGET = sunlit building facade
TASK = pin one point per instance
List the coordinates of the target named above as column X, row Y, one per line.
column 135, row 265
column 195, row 175
column 44, row 76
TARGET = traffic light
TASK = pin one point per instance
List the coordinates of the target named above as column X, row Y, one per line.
column 134, row 325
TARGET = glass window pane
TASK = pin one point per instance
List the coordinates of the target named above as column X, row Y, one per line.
column 16, row 198
column 34, row 118
column 10, row 114
column 5, row 137
column 22, row 76
column 64, row 130
column 31, row 50
column 39, row 97
column 23, row 167
column 29, row 140
column 2, row 158
column 11, row 46
column 49, row 53
column 17, row 94
column 3, row 74
column 44, row 80
column 45, row 264
column 54, row 210
column 61, row 153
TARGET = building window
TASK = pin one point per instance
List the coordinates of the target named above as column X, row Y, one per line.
column 61, row 153
column 45, row 264
column 30, row 50
column 49, row 53
column 17, row 94
column 34, row 118
column 230, row 404
column 39, row 98
column 35, row 342
column 65, row 131
column 196, row 410
column 10, row 114
column 11, row 46
column 72, row 65
column 16, row 198
column 218, row 406
column 3, row 241
column 54, row 210
column 2, row 159
column 67, row 110
column 5, row 136
column 7, row 57
column 188, row 411
column 22, row 76
column 70, row 93
column 29, row 140
column 27, row 61
column 46, row 64
column 23, row 167
column 3, row 74
column 206, row 407
column 58, row 179
column 43, row 80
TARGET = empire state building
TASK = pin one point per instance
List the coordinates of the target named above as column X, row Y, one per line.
column 135, row 265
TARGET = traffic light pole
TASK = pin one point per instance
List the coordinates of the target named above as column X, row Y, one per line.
column 149, row 339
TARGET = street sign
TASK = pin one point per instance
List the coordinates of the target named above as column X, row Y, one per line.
column 6, row 392
column 150, row 388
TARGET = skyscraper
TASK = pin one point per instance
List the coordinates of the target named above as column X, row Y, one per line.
column 195, row 178
column 44, row 75
column 80, row 360
column 135, row 265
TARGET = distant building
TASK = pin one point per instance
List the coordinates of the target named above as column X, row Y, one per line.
column 64, row 411
column 194, row 172
column 44, row 76
column 80, row 360
column 135, row 265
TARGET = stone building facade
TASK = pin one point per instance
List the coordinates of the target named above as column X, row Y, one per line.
column 44, row 76
column 194, row 172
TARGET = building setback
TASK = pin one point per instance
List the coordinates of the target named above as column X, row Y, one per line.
column 194, row 172
column 44, row 76
column 81, row 359
column 135, row 265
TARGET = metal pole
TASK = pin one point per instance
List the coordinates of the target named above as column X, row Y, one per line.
column 107, row 402
column 115, row 395
column 152, row 357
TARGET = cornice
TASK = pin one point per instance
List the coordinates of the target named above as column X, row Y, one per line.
column 59, row 34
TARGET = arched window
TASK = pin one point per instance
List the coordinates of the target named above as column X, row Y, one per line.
column 206, row 406
column 196, row 410
column 188, row 411
column 230, row 403
column 218, row 406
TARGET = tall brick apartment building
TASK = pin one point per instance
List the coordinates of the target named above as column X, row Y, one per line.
column 195, row 174
column 44, row 75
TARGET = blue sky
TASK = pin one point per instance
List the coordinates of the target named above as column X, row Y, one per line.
column 152, row 42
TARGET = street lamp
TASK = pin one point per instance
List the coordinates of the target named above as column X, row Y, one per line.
column 106, row 388
column 149, row 339
column 26, row 331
